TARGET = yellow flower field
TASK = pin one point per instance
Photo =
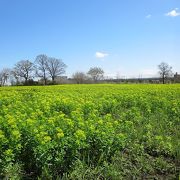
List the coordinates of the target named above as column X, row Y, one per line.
column 113, row 131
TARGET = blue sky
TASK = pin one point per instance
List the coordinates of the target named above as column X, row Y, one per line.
column 124, row 37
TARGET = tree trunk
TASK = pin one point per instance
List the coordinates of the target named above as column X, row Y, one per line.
column 45, row 82
column 53, row 79
column 163, row 79
column 26, row 80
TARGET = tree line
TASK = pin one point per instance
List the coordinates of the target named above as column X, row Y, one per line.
column 46, row 70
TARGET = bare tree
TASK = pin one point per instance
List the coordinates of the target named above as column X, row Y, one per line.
column 15, row 78
column 41, row 67
column 96, row 73
column 79, row 77
column 165, row 71
column 55, row 67
column 23, row 69
column 4, row 75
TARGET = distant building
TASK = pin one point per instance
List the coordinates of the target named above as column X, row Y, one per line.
column 61, row 79
column 177, row 78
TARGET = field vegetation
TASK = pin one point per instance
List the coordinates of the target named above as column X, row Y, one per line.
column 90, row 132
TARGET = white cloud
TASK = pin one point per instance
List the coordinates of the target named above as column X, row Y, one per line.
column 148, row 16
column 101, row 55
column 173, row 13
